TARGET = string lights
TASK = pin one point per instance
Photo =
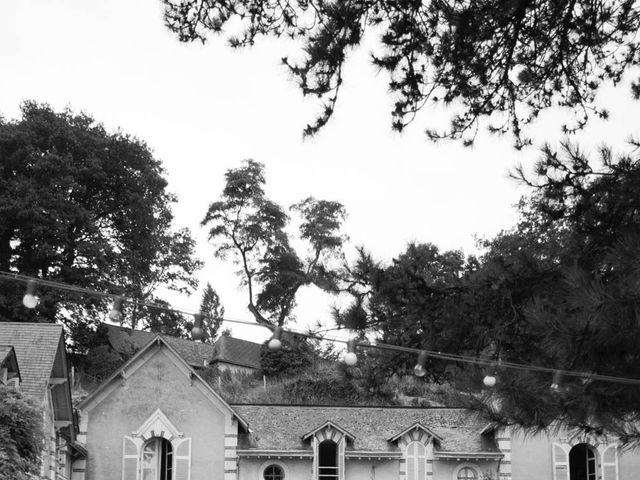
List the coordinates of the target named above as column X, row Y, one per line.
column 197, row 332
column 276, row 343
column 116, row 311
column 350, row 358
column 420, row 369
column 30, row 300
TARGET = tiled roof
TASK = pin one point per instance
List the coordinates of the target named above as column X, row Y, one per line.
column 237, row 351
column 36, row 345
column 125, row 340
column 280, row 427
column 196, row 354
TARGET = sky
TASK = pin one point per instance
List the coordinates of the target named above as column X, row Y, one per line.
column 202, row 109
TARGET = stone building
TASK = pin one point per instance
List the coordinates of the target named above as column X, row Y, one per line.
column 33, row 360
column 157, row 419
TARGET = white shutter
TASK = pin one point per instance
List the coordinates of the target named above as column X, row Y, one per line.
column 610, row 463
column 340, row 452
column 182, row 460
column 130, row 459
column 560, row 463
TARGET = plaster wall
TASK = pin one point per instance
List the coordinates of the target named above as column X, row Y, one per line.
column 446, row 469
column 235, row 369
column 295, row 469
column 531, row 456
column 372, row 469
column 629, row 464
column 158, row 383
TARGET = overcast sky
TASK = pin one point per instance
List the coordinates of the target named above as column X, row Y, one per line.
column 202, row 109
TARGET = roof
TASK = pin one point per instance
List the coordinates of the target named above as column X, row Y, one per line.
column 197, row 354
column 9, row 360
column 237, row 352
column 126, row 340
column 281, row 427
column 161, row 340
column 36, row 345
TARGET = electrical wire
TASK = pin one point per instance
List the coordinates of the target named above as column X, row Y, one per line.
column 451, row 357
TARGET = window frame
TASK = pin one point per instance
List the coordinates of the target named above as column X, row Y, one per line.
column 268, row 463
column 471, row 466
column 416, row 460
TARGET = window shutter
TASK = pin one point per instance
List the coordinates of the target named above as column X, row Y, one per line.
column 610, row 463
column 560, row 463
column 130, row 459
column 182, row 459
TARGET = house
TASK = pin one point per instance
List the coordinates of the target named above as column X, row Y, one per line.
column 9, row 370
column 33, row 358
column 227, row 353
column 157, row 419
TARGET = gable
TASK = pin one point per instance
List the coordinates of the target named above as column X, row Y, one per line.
column 36, row 346
column 127, row 341
column 157, row 374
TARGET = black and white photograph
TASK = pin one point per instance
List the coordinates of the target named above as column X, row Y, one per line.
column 319, row 240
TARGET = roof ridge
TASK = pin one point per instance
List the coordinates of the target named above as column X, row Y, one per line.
column 33, row 324
column 396, row 407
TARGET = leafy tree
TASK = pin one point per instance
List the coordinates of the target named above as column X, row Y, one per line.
column 251, row 227
column 21, row 436
column 88, row 208
column 560, row 291
column 513, row 58
column 214, row 314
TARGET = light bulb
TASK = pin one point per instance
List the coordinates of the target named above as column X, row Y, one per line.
column 351, row 359
column 30, row 301
column 197, row 332
column 116, row 311
column 419, row 371
column 275, row 344
column 489, row 381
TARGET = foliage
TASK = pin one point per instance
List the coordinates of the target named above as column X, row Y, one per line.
column 213, row 310
column 88, row 208
column 513, row 58
column 21, row 436
column 250, row 226
column 561, row 290
column 295, row 355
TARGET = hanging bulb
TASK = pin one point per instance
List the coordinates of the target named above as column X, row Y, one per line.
column 489, row 381
column 116, row 311
column 197, row 332
column 30, row 300
column 351, row 358
column 275, row 343
column 556, row 383
column 419, row 370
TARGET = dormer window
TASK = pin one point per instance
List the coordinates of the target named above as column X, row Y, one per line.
column 329, row 442
column 416, row 461
column 328, row 460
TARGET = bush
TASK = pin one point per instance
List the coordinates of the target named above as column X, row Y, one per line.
column 21, row 436
column 295, row 356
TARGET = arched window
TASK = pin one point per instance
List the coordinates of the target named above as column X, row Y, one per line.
column 467, row 473
column 416, row 461
column 328, row 460
column 273, row 472
column 157, row 460
column 582, row 463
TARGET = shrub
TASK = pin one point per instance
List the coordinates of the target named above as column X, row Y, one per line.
column 21, row 436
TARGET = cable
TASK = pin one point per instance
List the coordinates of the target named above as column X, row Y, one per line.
column 451, row 357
